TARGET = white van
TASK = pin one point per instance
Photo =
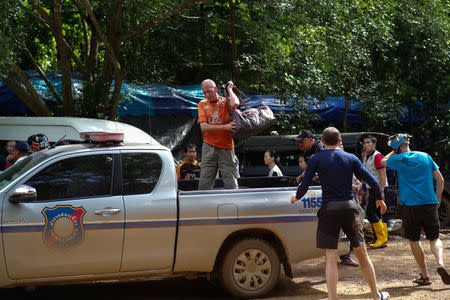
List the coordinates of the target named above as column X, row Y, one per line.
column 20, row 128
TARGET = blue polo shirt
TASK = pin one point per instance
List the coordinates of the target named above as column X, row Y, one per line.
column 415, row 177
column 335, row 168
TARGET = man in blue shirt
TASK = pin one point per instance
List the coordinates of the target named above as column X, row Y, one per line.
column 306, row 143
column 339, row 209
column 418, row 201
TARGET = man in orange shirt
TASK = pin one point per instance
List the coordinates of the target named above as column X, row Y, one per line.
column 218, row 146
column 190, row 167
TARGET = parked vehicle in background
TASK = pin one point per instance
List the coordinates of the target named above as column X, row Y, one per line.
column 444, row 208
column 251, row 158
column 251, row 151
column 20, row 128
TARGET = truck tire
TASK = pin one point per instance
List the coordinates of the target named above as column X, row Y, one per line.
column 251, row 268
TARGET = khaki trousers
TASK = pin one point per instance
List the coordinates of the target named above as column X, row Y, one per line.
column 214, row 159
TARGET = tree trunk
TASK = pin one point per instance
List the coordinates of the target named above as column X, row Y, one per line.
column 116, row 95
column 64, row 61
column 46, row 20
column 114, row 23
column 203, row 46
column 114, row 29
column 91, row 60
column 344, row 121
column 234, row 71
column 29, row 96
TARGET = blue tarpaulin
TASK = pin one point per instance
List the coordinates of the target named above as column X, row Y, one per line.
column 167, row 113
column 10, row 105
column 157, row 99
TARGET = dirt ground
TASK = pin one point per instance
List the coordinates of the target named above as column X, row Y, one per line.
column 395, row 268
column 394, row 265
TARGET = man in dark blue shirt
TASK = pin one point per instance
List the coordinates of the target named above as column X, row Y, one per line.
column 306, row 143
column 339, row 209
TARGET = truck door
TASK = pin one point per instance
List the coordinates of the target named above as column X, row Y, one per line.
column 150, row 193
column 74, row 227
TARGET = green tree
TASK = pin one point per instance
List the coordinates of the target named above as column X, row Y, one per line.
column 97, row 39
column 387, row 56
column 419, row 66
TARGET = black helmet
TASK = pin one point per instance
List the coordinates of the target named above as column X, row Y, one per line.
column 38, row 142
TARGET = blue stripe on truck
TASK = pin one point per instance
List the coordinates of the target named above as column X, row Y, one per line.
column 168, row 223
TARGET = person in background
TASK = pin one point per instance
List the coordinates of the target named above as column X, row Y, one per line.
column 306, row 143
column 418, row 202
column 190, row 167
column 7, row 160
column 302, row 163
column 21, row 150
column 339, row 208
column 218, row 146
column 372, row 162
column 346, row 258
column 271, row 159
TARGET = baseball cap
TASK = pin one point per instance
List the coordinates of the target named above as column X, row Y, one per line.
column 304, row 134
column 398, row 139
column 22, row 147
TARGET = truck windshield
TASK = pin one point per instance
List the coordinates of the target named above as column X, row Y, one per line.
column 20, row 168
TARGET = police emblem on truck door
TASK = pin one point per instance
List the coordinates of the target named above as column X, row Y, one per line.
column 63, row 226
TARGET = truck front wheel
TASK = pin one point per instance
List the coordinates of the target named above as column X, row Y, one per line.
column 251, row 268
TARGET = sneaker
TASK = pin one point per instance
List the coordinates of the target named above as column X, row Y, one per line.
column 394, row 225
column 444, row 274
column 348, row 261
column 384, row 295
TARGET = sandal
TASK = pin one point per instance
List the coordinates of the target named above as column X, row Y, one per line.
column 443, row 273
column 422, row 280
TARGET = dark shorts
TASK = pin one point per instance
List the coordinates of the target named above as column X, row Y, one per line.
column 417, row 217
column 334, row 216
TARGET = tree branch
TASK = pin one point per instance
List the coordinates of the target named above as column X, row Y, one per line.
column 29, row 96
column 35, row 16
column 44, row 15
column 47, row 22
column 84, row 17
column 74, row 57
column 41, row 73
column 20, row 92
column 162, row 18
column 100, row 33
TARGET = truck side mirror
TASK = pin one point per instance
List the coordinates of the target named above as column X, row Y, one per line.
column 23, row 193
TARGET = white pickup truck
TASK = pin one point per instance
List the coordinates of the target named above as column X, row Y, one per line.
column 92, row 211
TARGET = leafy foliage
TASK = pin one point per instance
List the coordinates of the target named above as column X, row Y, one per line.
column 391, row 57
column 7, row 46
